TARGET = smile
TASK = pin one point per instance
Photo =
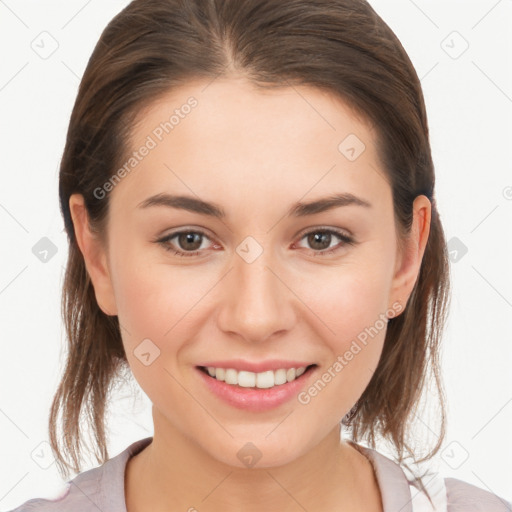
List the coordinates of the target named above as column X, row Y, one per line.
column 256, row 390
column 261, row 380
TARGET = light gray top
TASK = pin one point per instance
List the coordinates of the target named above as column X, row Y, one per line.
column 101, row 489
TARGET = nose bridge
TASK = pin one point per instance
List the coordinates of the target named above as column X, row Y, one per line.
column 257, row 302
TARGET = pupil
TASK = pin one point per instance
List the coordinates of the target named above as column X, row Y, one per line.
column 316, row 238
column 189, row 238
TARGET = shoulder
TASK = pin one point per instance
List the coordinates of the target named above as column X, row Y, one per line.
column 465, row 497
column 100, row 488
column 79, row 494
column 59, row 502
column 400, row 490
column 453, row 495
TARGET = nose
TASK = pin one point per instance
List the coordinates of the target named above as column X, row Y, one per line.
column 257, row 302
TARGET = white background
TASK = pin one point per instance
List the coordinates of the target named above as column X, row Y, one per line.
column 469, row 104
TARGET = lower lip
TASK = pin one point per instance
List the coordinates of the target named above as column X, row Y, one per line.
column 256, row 399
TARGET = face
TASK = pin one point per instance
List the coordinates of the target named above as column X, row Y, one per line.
column 255, row 282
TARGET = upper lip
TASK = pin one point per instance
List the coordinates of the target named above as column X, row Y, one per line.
column 256, row 367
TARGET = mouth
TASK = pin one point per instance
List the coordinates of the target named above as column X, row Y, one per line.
column 257, row 380
column 256, row 387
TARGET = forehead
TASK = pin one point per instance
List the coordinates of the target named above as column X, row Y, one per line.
column 228, row 106
column 229, row 138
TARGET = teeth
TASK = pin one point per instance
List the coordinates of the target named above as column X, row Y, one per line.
column 246, row 379
column 265, row 379
column 231, row 376
column 262, row 380
column 279, row 377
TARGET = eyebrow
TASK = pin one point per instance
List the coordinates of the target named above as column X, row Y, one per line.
column 299, row 209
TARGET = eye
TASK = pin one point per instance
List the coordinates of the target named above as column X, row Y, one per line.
column 189, row 242
column 320, row 240
column 186, row 240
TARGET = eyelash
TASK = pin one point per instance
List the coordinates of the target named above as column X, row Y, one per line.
column 346, row 239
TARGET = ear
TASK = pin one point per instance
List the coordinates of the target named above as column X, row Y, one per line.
column 409, row 260
column 95, row 255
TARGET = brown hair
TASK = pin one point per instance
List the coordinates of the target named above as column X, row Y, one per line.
column 341, row 46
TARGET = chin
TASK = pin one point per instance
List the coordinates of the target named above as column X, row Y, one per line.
column 260, row 451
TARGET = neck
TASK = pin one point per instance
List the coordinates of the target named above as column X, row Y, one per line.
column 173, row 473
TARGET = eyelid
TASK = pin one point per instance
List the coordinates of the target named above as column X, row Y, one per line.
column 345, row 237
column 165, row 239
column 185, row 229
column 314, row 229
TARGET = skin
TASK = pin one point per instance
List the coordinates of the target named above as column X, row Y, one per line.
column 255, row 153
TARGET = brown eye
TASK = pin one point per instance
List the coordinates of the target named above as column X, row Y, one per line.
column 189, row 240
column 320, row 240
column 187, row 243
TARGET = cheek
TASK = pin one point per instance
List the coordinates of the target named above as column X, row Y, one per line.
column 159, row 302
column 150, row 297
column 347, row 300
column 350, row 314
column 155, row 310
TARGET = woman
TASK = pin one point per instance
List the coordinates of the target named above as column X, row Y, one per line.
column 287, row 142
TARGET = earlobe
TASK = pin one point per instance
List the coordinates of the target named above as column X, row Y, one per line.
column 94, row 255
column 409, row 262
